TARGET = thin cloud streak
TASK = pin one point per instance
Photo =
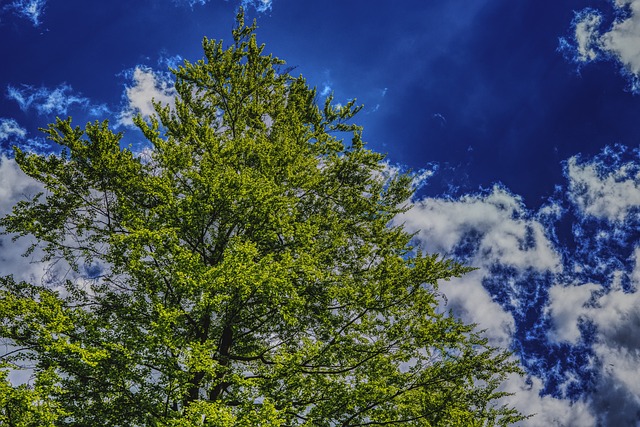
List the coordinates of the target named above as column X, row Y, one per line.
column 56, row 101
column 259, row 5
column 11, row 130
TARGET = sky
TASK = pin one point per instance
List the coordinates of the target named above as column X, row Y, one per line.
column 520, row 119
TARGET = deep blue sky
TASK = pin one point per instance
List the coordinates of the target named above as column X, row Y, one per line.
column 524, row 115
column 478, row 87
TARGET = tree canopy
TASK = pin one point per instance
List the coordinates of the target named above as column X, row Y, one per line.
column 243, row 270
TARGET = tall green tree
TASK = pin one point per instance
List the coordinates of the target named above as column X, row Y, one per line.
column 244, row 271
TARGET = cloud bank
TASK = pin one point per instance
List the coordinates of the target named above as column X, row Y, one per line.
column 558, row 285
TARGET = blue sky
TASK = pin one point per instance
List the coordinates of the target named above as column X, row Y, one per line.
column 521, row 118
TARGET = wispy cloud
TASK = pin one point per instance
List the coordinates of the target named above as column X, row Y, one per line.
column 620, row 42
column 586, row 35
column 47, row 101
column 147, row 86
column 10, row 129
column 28, row 9
column 259, row 5
column 167, row 61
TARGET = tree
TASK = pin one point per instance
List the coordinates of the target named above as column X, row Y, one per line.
column 242, row 271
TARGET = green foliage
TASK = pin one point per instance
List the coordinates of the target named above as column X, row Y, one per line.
column 249, row 274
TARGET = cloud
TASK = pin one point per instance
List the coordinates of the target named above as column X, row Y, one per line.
column 148, row 85
column 609, row 195
column 56, row 101
column 10, row 129
column 15, row 186
column 567, row 308
column 615, row 316
column 493, row 228
column 28, row 9
column 528, row 397
column 586, row 35
column 623, row 39
column 493, row 232
column 173, row 61
column 258, row 5
column 621, row 42
column 326, row 90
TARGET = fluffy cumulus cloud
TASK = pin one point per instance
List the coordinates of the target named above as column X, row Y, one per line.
column 623, row 39
column 493, row 228
column 614, row 314
column 605, row 194
column 586, row 35
column 28, row 9
column 147, row 86
column 620, row 41
column 557, row 285
column 567, row 308
column 529, row 398
column 58, row 100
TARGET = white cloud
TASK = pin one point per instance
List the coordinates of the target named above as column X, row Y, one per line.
column 15, row 186
column 52, row 101
column 567, row 306
column 495, row 223
column 608, row 196
column 549, row 411
column 326, row 90
column 586, row 34
column 469, row 300
column 615, row 314
column 620, row 42
column 10, row 129
column 623, row 40
column 503, row 233
column 28, row 9
column 495, row 230
column 148, row 86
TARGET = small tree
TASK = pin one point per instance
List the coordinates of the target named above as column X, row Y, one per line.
column 244, row 271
